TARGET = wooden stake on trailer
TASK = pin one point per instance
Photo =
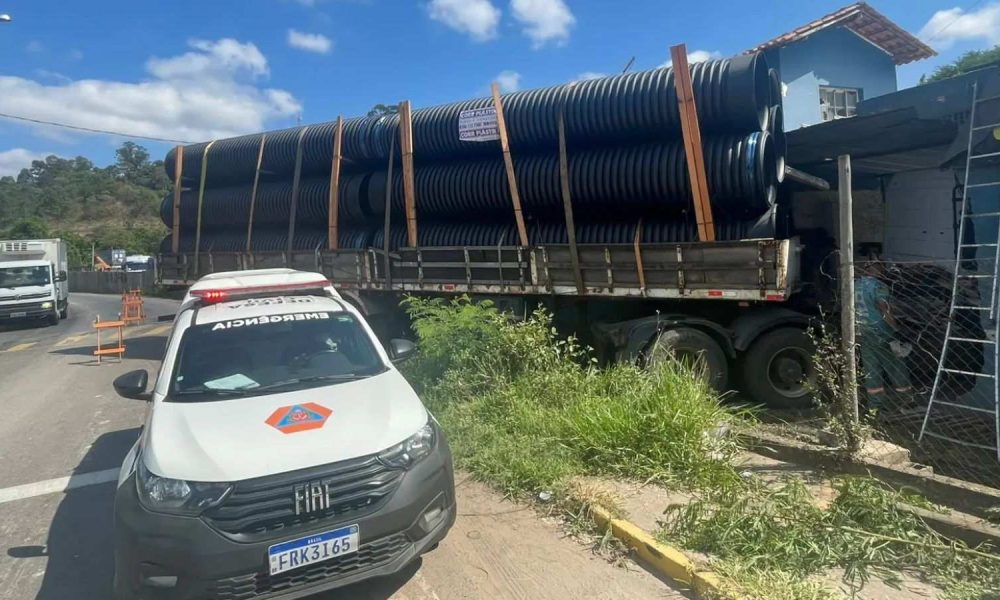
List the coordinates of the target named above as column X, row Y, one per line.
column 333, row 234
column 201, row 200
column 406, row 150
column 296, row 179
column 640, row 270
column 388, row 216
column 175, row 240
column 515, row 195
column 253, row 191
column 692, row 143
column 574, row 254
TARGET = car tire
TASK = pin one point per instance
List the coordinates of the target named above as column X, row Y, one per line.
column 688, row 344
column 64, row 312
column 778, row 367
column 53, row 318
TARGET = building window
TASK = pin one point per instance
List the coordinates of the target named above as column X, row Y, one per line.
column 838, row 103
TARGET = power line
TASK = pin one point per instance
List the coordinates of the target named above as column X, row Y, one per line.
column 90, row 130
column 955, row 20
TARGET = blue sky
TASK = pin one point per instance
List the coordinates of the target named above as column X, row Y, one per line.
column 197, row 69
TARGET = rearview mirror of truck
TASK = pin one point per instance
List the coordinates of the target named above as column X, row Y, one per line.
column 61, row 276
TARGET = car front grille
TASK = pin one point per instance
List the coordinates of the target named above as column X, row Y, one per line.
column 369, row 556
column 264, row 508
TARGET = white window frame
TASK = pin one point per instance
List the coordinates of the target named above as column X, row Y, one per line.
column 838, row 102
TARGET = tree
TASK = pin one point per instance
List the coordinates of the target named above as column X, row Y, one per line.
column 27, row 229
column 970, row 61
column 380, row 110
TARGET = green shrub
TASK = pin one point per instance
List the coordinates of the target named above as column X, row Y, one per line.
column 526, row 409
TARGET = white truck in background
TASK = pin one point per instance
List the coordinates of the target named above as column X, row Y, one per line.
column 33, row 281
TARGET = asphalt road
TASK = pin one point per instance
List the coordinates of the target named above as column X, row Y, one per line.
column 64, row 433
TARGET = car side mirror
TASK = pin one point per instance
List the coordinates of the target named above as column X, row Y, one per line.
column 61, row 276
column 400, row 350
column 133, row 385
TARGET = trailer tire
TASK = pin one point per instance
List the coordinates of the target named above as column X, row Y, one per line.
column 689, row 345
column 777, row 368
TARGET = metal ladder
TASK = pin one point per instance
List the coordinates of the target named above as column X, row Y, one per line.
column 991, row 279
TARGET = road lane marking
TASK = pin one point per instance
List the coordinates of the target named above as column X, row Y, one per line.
column 158, row 330
column 19, row 347
column 60, row 484
column 74, row 338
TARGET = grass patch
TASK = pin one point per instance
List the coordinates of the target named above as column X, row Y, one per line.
column 526, row 410
column 759, row 531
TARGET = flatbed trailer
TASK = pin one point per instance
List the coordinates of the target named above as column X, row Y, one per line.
column 717, row 300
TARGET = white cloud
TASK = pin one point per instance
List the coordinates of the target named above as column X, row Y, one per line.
column 12, row 161
column 54, row 75
column 310, row 42
column 209, row 92
column 544, row 20
column 509, row 81
column 478, row 18
column 589, row 75
column 697, row 56
column 946, row 27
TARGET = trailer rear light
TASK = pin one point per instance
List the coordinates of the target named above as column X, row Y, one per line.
column 210, row 296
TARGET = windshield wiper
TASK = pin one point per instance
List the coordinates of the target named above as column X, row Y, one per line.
column 311, row 379
column 219, row 391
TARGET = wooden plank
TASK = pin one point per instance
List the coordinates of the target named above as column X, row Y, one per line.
column 175, row 239
column 638, row 257
column 201, row 200
column 296, row 180
column 568, row 205
column 692, row 143
column 406, row 148
column 515, row 195
column 333, row 219
column 388, row 216
column 253, row 191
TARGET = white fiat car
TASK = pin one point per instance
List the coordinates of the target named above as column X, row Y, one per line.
column 283, row 453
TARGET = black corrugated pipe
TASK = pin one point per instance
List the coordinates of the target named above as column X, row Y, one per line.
column 777, row 131
column 230, row 206
column 604, row 182
column 269, row 239
column 733, row 95
column 774, row 87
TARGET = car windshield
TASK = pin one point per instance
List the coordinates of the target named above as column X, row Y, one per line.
column 270, row 354
column 12, row 277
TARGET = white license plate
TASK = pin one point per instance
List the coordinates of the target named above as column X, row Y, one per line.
column 313, row 549
column 18, row 315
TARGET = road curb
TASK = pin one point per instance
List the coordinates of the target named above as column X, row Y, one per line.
column 665, row 560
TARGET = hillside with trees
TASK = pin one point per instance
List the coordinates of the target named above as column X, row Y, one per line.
column 112, row 207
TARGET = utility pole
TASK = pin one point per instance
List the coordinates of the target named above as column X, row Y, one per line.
column 846, row 245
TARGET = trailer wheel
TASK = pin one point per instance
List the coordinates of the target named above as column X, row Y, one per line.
column 694, row 348
column 778, row 368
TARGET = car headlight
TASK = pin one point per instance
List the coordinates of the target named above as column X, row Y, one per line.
column 46, row 305
column 162, row 494
column 412, row 450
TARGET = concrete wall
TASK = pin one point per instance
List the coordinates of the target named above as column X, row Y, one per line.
column 111, row 282
column 832, row 57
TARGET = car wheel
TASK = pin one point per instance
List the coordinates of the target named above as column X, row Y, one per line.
column 778, row 369
column 694, row 348
column 54, row 318
column 64, row 312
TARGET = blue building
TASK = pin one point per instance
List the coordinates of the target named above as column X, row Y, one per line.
column 827, row 67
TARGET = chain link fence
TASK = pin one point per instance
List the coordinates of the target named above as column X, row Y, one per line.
column 937, row 402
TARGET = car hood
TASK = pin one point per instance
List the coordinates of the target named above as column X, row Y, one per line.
column 243, row 438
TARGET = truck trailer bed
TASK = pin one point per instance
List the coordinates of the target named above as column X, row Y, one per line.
column 747, row 270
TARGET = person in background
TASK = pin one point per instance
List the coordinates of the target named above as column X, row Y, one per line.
column 876, row 332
